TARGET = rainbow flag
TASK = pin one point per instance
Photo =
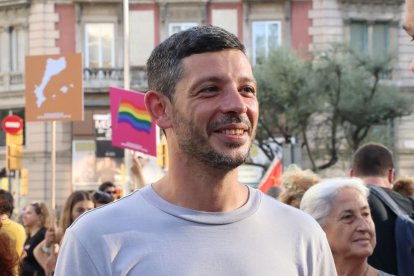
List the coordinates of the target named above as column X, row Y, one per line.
column 134, row 115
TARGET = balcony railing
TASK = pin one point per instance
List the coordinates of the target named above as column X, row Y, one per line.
column 11, row 81
column 7, row 3
column 95, row 79
column 98, row 79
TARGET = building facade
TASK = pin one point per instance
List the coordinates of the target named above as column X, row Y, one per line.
column 95, row 29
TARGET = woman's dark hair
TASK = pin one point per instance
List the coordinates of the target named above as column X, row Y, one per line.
column 100, row 197
column 6, row 202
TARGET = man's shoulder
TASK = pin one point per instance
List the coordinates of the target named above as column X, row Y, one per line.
column 406, row 203
column 287, row 214
column 110, row 215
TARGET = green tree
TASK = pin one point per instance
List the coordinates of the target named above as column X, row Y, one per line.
column 332, row 103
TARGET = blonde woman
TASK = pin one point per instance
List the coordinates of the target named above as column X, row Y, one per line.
column 36, row 221
column 295, row 182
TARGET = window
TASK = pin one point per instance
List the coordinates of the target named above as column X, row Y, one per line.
column 178, row 27
column 99, row 45
column 380, row 39
column 4, row 113
column 372, row 39
column 266, row 38
column 359, row 36
column 1, row 55
column 17, row 49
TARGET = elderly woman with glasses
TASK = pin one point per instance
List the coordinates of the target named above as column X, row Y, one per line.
column 341, row 207
column 36, row 221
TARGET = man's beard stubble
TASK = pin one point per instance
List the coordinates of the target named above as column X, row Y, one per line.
column 195, row 145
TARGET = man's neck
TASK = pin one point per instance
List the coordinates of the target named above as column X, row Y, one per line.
column 194, row 186
column 377, row 181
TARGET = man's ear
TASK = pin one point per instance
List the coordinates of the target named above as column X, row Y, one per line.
column 157, row 105
column 391, row 175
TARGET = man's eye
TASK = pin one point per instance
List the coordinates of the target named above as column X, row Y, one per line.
column 209, row 89
column 248, row 89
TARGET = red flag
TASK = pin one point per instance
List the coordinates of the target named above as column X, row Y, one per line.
column 272, row 176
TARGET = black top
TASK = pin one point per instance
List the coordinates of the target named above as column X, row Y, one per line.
column 384, row 257
column 29, row 265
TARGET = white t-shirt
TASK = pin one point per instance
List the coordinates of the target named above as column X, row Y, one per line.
column 142, row 234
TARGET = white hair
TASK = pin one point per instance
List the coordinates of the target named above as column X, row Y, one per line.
column 318, row 199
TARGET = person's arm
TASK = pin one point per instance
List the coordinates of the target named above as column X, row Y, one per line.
column 41, row 253
column 50, row 263
column 46, row 256
column 46, row 251
column 137, row 177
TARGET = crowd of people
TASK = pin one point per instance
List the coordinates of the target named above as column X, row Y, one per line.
column 359, row 225
column 30, row 247
column 199, row 219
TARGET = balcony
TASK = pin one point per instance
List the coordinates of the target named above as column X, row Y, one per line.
column 100, row 79
column 380, row 2
column 11, row 81
column 10, row 3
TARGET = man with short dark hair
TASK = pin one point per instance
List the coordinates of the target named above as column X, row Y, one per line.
column 15, row 230
column 198, row 219
column 108, row 187
column 374, row 164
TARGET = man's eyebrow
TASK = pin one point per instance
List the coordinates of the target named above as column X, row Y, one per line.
column 248, row 79
column 216, row 79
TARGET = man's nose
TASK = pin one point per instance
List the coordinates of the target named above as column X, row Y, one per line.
column 233, row 101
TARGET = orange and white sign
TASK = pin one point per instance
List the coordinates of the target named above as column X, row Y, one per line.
column 54, row 88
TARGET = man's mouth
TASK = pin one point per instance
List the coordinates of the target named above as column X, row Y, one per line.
column 232, row 131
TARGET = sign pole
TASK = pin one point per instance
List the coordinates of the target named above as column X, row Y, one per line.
column 127, row 155
column 53, row 153
column 8, row 171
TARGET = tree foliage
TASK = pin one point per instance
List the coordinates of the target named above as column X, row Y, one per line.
column 330, row 103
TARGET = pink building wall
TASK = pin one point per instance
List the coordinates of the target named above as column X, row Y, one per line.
column 300, row 26
column 66, row 27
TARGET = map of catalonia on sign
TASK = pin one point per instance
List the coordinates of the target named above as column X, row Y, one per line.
column 54, row 90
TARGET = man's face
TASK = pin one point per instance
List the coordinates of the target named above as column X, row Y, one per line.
column 215, row 109
column 408, row 22
column 110, row 190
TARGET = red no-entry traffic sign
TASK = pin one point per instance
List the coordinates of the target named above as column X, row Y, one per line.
column 12, row 124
